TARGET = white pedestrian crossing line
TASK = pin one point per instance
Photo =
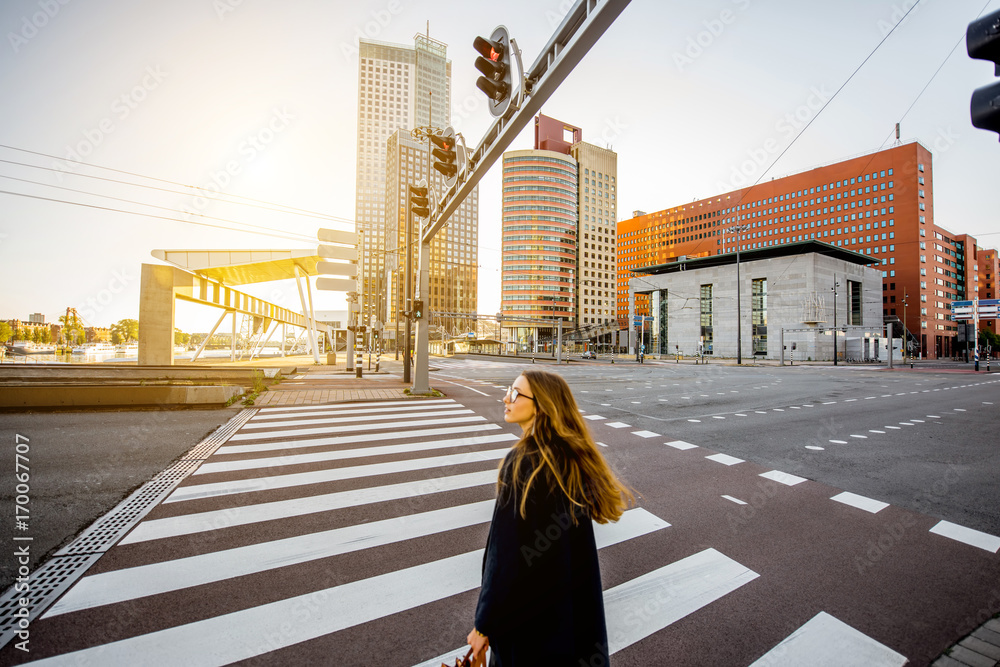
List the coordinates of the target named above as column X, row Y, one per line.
column 339, row 455
column 355, row 428
column 390, row 412
column 277, row 427
column 669, row 594
column 215, row 489
column 173, row 575
column 200, row 522
column 348, row 406
column 240, row 635
column 350, row 439
column 825, row 641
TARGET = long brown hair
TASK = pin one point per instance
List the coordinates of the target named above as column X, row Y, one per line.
column 559, row 447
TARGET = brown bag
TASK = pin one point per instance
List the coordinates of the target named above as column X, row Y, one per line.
column 464, row 662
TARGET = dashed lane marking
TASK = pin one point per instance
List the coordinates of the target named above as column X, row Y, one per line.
column 783, row 477
column 646, row 434
column 860, row 502
column 724, row 459
column 617, row 425
column 968, row 536
column 735, row 500
column 680, row 444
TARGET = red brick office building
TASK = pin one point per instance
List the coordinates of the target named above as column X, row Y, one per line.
column 880, row 204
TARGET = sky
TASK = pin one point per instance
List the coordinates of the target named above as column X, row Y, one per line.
column 256, row 100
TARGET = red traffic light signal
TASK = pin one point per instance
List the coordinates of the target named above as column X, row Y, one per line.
column 419, row 202
column 494, row 63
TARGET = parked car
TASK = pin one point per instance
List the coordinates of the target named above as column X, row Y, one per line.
column 589, row 354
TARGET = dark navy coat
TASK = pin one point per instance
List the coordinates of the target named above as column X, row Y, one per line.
column 541, row 601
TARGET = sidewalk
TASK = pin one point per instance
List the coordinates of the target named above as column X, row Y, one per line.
column 312, row 384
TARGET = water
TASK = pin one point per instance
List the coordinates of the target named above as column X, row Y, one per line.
column 120, row 357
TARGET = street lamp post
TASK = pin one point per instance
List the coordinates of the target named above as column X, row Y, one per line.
column 906, row 334
column 834, row 288
column 738, row 229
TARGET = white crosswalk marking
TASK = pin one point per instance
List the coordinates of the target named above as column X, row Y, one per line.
column 282, row 500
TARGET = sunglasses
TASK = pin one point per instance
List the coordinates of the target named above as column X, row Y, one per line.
column 514, row 393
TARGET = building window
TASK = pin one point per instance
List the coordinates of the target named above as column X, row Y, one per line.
column 854, row 295
column 758, row 310
column 706, row 319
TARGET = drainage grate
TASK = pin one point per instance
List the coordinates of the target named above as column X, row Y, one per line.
column 56, row 575
column 207, row 447
column 46, row 583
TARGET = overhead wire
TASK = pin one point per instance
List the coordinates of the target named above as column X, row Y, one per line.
column 205, row 193
column 302, row 237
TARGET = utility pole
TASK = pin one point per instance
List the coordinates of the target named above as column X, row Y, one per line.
column 834, row 288
column 738, row 229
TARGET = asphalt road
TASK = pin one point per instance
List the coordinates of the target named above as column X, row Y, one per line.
column 315, row 534
column 81, row 464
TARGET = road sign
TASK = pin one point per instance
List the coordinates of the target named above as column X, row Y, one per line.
column 337, row 269
column 337, row 284
column 979, row 308
column 338, row 252
column 337, row 236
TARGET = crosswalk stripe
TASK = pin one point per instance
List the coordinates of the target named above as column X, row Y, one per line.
column 825, row 641
column 244, row 634
column 661, row 597
column 215, row 489
column 339, row 455
column 156, row 578
column 154, row 529
column 328, row 421
column 373, row 404
column 359, row 427
column 333, row 421
column 351, row 409
column 349, row 439
column 669, row 594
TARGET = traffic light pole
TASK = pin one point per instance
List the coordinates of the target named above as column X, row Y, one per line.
column 421, row 379
column 580, row 29
column 407, row 292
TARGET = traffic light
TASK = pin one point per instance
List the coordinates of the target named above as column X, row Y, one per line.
column 982, row 40
column 418, row 309
column 446, row 155
column 494, row 63
column 419, row 203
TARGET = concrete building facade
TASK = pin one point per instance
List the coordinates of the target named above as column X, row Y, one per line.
column 694, row 304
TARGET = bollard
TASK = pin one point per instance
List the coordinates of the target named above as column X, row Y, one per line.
column 358, row 362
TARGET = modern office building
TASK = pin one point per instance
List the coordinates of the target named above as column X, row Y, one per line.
column 695, row 305
column 559, row 208
column 879, row 204
column 399, row 87
column 454, row 257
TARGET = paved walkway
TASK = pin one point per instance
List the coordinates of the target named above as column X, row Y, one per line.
column 312, row 384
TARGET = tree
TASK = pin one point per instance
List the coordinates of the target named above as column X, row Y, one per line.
column 6, row 333
column 72, row 327
column 127, row 330
column 36, row 335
